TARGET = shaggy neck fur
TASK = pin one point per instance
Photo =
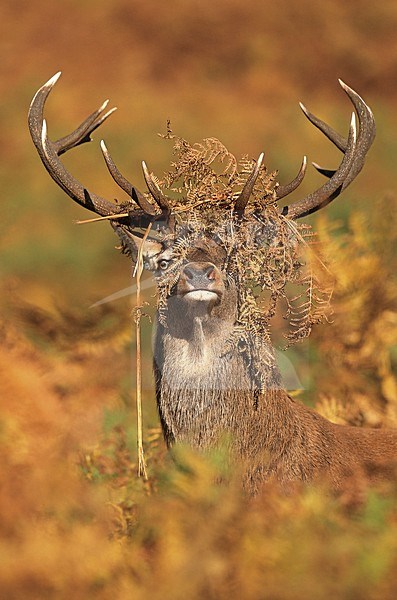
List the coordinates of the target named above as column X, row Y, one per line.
column 205, row 391
column 206, row 395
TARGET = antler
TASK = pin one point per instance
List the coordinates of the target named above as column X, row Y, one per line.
column 355, row 149
column 284, row 190
column 140, row 211
column 242, row 200
column 49, row 151
column 154, row 189
column 125, row 184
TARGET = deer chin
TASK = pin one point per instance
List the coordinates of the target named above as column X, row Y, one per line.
column 201, row 296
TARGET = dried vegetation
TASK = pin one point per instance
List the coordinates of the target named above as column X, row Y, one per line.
column 271, row 259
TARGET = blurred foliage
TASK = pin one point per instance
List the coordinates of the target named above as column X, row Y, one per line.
column 358, row 351
column 74, row 519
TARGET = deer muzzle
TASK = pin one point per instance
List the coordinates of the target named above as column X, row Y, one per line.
column 200, row 281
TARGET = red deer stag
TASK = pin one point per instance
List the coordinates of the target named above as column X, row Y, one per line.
column 210, row 253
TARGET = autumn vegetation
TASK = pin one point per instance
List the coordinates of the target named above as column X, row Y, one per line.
column 75, row 520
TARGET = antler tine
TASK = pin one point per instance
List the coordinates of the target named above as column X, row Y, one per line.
column 326, row 172
column 335, row 137
column 366, row 134
column 332, row 188
column 49, row 151
column 125, row 184
column 365, row 137
column 242, row 200
column 284, row 190
column 154, row 189
column 82, row 133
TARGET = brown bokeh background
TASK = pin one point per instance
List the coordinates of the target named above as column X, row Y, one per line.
column 233, row 70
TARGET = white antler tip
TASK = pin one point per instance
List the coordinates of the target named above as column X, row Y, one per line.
column 103, row 106
column 52, row 81
column 103, row 147
column 349, row 91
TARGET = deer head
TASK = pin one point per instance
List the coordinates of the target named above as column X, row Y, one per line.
column 199, row 242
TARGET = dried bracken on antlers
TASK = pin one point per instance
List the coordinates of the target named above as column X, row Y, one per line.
column 139, row 209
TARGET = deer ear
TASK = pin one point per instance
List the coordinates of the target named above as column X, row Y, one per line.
column 151, row 249
column 131, row 244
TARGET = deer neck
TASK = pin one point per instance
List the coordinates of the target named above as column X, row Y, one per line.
column 201, row 324
column 204, row 385
column 200, row 340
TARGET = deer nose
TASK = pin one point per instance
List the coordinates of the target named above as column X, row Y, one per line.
column 199, row 275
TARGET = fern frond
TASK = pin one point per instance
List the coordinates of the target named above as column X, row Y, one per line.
column 266, row 253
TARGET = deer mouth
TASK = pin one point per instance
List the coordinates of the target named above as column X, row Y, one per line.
column 201, row 295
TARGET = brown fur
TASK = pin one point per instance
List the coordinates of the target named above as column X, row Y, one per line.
column 205, row 391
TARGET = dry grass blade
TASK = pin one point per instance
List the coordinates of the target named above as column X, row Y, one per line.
column 106, row 218
column 142, row 472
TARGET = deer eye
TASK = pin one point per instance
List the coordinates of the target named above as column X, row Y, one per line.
column 163, row 264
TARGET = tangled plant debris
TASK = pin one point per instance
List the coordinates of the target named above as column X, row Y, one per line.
column 270, row 257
